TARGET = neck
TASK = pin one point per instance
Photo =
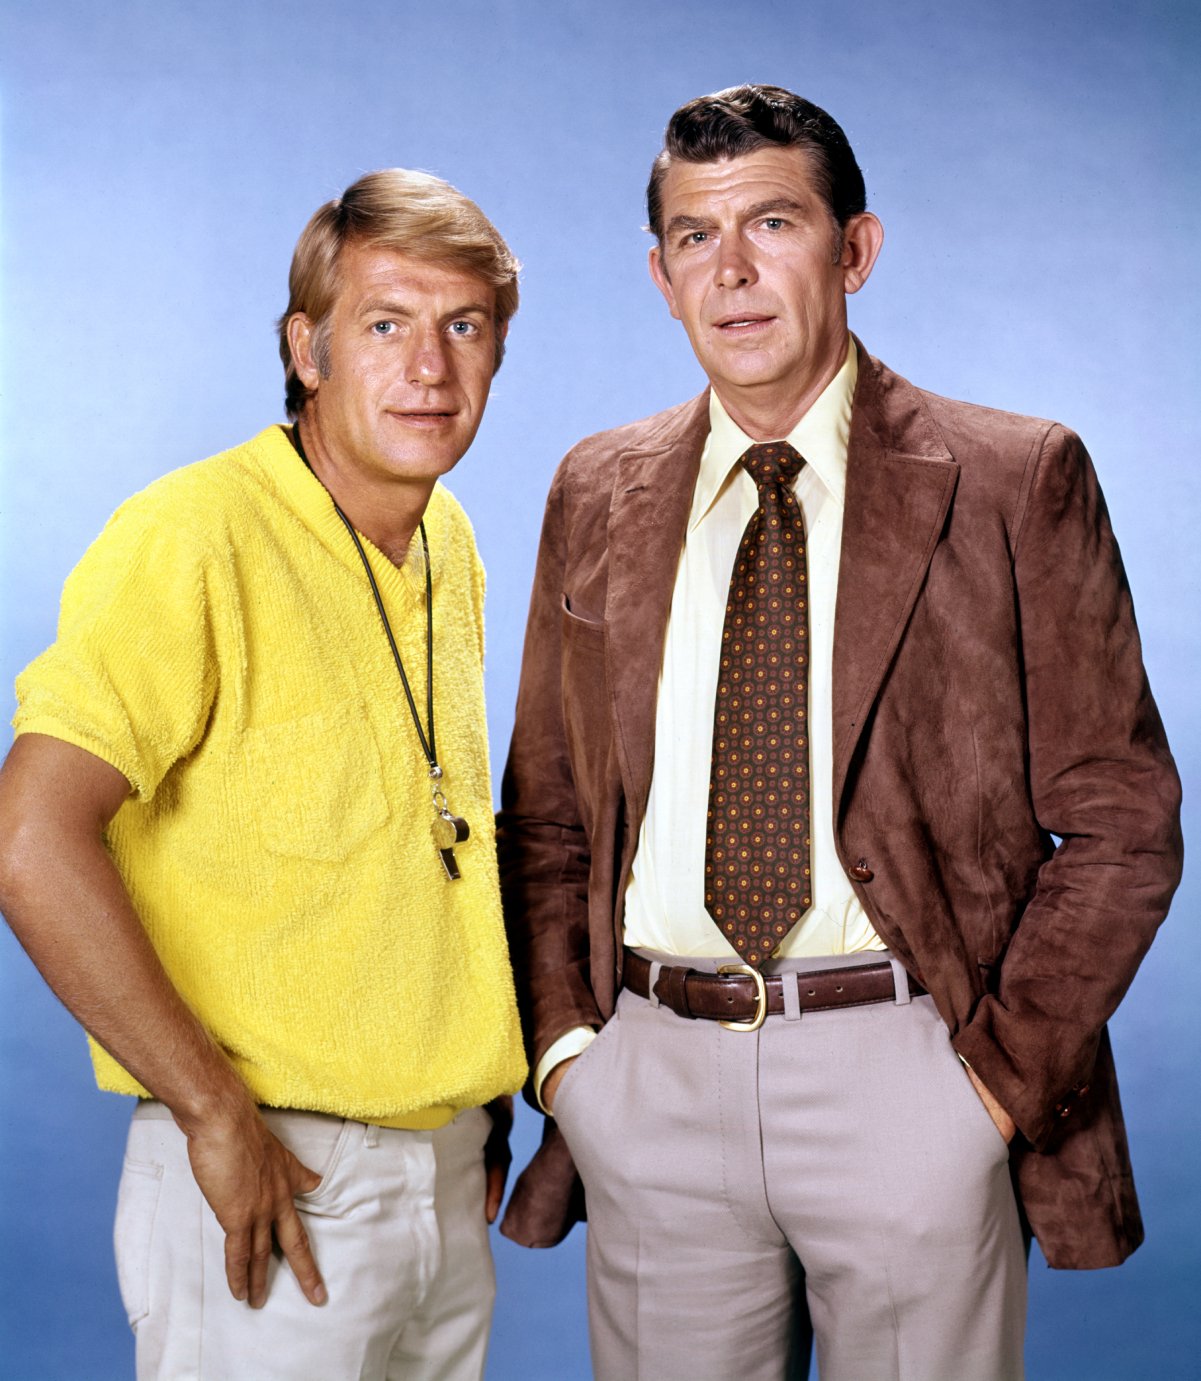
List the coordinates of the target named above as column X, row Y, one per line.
column 386, row 512
column 769, row 412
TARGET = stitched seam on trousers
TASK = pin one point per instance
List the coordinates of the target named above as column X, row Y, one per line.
column 761, row 1157
column 638, row 1310
column 721, row 1123
column 892, row 1310
column 882, row 1238
column 744, row 1220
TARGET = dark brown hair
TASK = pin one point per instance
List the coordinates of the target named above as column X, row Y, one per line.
column 742, row 119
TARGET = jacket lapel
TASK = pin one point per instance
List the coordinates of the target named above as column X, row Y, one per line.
column 900, row 481
column 652, row 496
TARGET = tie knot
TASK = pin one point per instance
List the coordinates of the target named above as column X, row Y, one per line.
column 771, row 463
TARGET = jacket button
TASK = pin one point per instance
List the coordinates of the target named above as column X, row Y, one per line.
column 861, row 872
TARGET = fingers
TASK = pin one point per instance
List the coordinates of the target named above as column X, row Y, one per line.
column 248, row 1255
column 260, row 1257
column 1001, row 1119
column 496, row 1176
column 237, row 1262
column 304, row 1180
column 247, row 1252
column 294, row 1243
column 497, row 1155
column 552, row 1081
column 500, row 1110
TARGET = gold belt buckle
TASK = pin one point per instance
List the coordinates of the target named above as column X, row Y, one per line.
column 760, row 998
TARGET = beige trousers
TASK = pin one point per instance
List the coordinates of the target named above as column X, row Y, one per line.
column 397, row 1228
column 831, row 1177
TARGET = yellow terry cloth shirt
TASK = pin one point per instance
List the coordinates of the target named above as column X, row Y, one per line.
column 218, row 645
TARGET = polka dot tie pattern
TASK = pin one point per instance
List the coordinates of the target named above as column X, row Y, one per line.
column 757, row 854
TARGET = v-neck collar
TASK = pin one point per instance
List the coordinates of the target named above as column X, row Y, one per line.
column 314, row 504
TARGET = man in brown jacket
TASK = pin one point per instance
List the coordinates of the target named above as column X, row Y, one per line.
column 838, row 805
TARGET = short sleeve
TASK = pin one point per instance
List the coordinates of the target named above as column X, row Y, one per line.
column 132, row 674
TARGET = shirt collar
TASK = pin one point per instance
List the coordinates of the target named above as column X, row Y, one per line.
column 312, row 501
column 821, row 436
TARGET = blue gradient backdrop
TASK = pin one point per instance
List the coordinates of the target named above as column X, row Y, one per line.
column 1034, row 164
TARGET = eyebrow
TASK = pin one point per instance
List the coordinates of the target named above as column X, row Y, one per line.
column 389, row 307
column 763, row 208
column 687, row 223
column 760, row 208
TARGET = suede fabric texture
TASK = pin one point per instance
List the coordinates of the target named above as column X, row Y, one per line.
column 989, row 694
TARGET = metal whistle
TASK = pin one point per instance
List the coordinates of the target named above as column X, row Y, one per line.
column 448, row 831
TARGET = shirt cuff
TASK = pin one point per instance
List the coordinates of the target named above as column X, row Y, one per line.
column 567, row 1047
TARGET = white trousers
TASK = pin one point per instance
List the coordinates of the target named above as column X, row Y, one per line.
column 397, row 1229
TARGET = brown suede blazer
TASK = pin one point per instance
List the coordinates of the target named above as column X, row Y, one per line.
column 989, row 694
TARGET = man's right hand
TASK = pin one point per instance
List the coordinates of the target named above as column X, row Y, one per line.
column 552, row 1081
column 65, row 901
column 250, row 1180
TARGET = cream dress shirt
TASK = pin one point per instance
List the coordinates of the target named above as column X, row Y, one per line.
column 664, row 901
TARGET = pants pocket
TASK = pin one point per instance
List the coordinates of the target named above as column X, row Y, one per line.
column 323, row 1146
column 133, row 1234
column 580, row 1071
column 964, row 1105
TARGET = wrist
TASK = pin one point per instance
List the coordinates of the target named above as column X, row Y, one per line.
column 223, row 1104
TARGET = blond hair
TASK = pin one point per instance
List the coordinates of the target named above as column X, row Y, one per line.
column 395, row 208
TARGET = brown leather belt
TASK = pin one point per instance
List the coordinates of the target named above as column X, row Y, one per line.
column 737, row 997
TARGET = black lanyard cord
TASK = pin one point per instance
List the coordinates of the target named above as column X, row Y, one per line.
column 429, row 746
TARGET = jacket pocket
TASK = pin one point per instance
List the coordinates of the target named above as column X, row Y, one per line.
column 587, row 719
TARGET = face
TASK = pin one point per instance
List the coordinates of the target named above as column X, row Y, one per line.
column 751, row 265
column 408, row 357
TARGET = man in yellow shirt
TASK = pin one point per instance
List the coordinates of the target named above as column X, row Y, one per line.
column 247, row 834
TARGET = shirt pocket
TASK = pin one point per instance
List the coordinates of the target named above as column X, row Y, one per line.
column 315, row 784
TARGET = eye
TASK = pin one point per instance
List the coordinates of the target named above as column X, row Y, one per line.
column 697, row 237
column 774, row 223
column 382, row 328
column 464, row 329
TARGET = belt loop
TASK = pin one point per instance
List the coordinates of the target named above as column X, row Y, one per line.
column 675, row 981
column 370, row 1134
column 790, row 984
column 900, row 981
column 652, row 996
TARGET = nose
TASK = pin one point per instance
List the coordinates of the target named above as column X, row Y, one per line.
column 428, row 362
column 734, row 267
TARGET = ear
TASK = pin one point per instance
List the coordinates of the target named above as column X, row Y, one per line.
column 661, row 280
column 862, row 239
column 300, row 342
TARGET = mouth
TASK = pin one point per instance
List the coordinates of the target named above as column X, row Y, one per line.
column 422, row 417
column 742, row 323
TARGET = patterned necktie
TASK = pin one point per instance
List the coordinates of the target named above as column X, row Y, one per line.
column 757, row 871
